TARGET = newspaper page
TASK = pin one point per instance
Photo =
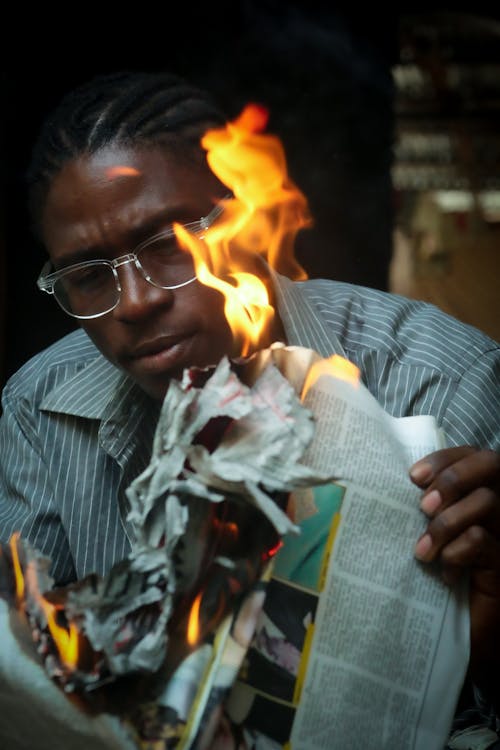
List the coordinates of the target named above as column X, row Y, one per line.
column 359, row 645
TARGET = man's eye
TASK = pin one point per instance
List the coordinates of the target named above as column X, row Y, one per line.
column 86, row 279
column 162, row 250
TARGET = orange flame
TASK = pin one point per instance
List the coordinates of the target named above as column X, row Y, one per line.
column 66, row 641
column 258, row 224
column 18, row 573
column 193, row 628
column 334, row 366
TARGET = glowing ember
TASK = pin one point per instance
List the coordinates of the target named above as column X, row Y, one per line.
column 336, row 367
column 258, row 224
column 193, row 629
column 273, row 551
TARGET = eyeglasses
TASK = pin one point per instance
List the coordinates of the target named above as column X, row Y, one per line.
column 92, row 288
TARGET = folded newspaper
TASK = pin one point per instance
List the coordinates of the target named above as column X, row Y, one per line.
column 340, row 640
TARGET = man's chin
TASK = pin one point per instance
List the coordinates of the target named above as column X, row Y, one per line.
column 154, row 373
column 157, row 387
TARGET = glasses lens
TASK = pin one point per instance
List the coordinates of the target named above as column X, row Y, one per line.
column 87, row 291
column 164, row 262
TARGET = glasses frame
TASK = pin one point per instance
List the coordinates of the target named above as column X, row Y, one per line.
column 46, row 281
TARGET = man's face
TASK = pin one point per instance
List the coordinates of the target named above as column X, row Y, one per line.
column 95, row 211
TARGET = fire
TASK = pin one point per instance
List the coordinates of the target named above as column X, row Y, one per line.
column 268, row 554
column 193, row 628
column 259, row 223
column 334, row 366
column 66, row 641
column 18, row 573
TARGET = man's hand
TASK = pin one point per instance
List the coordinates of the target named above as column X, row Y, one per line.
column 462, row 500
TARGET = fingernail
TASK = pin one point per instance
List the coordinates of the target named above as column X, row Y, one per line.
column 421, row 472
column 431, row 502
column 423, row 547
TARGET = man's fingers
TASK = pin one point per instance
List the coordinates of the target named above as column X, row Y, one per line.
column 425, row 470
column 453, row 478
column 475, row 550
column 480, row 510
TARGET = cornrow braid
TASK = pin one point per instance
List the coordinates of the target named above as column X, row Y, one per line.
column 126, row 107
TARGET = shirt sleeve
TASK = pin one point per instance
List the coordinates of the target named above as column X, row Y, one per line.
column 26, row 496
column 472, row 414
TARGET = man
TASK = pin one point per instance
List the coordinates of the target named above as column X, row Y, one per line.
column 114, row 166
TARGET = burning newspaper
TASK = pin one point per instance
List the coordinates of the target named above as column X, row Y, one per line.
column 159, row 640
column 204, row 631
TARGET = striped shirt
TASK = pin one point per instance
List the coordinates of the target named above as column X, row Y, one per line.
column 75, row 430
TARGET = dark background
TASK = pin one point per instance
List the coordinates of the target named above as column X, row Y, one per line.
column 324, row 74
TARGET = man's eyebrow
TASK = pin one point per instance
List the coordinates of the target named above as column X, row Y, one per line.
column 163, row 220
column 79, row 256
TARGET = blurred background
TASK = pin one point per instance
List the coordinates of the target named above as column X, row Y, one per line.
column 390, row 122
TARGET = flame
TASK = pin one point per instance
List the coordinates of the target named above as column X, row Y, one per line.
column 66, row 641
column 193, row 628
column 18, row 573
column 335, row 367
column 259, row 223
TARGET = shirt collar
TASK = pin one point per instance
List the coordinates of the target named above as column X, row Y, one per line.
column 89, row 392
column 101, row 391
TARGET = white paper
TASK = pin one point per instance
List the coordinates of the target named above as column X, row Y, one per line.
column 391, row 642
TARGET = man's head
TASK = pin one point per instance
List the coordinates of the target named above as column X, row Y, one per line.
column 116, row 164
column 128, row 108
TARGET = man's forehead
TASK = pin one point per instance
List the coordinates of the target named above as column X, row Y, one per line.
column 123, row 190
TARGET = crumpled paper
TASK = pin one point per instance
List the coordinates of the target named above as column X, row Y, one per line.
column 256, row 456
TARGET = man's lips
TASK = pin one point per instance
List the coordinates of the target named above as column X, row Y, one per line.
column 155, row 346
column 159, row 355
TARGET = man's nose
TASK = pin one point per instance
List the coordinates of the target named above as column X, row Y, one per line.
column 138, row 297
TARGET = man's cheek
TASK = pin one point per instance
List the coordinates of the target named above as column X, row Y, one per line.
column 102, row 341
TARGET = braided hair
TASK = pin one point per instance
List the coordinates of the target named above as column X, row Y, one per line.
column 128, row 108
